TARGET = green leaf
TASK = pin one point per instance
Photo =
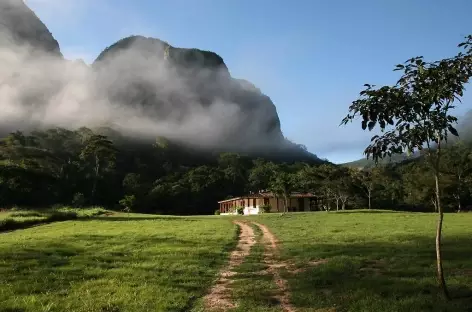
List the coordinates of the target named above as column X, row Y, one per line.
column 452, row 130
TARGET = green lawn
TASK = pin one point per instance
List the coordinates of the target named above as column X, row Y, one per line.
column 375, row 261
column 112, row 264
column 372, row 262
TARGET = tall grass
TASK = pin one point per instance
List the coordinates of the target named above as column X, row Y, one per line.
column 19, row 219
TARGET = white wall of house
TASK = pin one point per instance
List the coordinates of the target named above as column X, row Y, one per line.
column 251, row 210
column 229, row 213
column 252, row 207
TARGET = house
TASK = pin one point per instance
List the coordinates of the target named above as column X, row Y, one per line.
column 253, row 202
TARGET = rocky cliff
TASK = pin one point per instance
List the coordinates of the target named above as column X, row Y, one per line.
column 20, row 26
column 179, row 85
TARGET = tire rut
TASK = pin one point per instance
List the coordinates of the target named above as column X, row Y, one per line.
column 219, row 298
column 274, row 266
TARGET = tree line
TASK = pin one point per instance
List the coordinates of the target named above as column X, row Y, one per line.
column 85, row 168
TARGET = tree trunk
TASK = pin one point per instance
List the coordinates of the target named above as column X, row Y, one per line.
column 95, row 180
column 440, row 272
column 370, row 195
column 459, row 178
column 337, row 204
column 285, row 203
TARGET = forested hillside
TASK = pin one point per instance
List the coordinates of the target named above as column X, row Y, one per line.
column 83, row 168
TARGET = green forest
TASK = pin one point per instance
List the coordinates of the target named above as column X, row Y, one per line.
column 85, row 168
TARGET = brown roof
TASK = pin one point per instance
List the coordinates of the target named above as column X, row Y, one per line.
column 268, row 195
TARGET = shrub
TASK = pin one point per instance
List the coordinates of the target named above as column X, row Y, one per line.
column 128, row 202
column 62, row 216
column 265, row 209
column 217, row 212
column 240, row 210
column 25, row 214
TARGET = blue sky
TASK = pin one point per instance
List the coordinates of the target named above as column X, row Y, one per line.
column 311, row 57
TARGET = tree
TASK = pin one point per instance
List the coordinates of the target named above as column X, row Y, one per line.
column 261, row 174
column 283, row 184
column 128, row 203
column 101, row 154
column 458, row 163
column 418, row 108
column 343, row 183
column 368, row 180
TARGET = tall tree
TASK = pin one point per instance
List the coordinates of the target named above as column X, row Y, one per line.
column 261, row 174
column 458, row 163
column 368, row 180
column 418, row 107
column 100, row 153
column 283, row 184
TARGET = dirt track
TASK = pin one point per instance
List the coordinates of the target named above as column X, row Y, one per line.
column 219, row 298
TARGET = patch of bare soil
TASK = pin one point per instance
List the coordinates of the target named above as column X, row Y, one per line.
column 219, row 298
column 274, row 266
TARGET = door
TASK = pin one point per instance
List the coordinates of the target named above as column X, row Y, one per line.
column 301, row 204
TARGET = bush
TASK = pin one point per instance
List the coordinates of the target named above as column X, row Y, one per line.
column 26, row 214
column 217, row 212
column 240, row 210
column 265, row 209
column 62, row 216
column 27, row 218
column 128, row 202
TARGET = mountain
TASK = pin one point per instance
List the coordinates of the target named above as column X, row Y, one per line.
column 20, row 25
column 183, row 87
column 367, row 163
column 142, row 87
column 464, row 128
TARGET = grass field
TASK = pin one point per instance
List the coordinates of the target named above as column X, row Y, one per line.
column 112, row 264
column 350, row 261
column 374, row 261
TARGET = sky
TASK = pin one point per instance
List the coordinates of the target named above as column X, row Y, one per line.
column 311, row 57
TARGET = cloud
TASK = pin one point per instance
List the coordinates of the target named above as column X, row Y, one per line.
column 141, row 95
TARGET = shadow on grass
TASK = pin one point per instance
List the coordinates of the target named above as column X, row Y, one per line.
column 396, row 276
column 40, row 218
column 131, row 218
column 367, row 211
column 166, row 265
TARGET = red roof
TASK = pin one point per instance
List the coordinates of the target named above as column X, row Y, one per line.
column 268, row 195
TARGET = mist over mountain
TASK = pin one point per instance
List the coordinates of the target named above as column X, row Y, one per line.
column 142, row 87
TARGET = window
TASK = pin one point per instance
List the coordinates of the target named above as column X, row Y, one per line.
column 266, row 201
column 253, row 202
